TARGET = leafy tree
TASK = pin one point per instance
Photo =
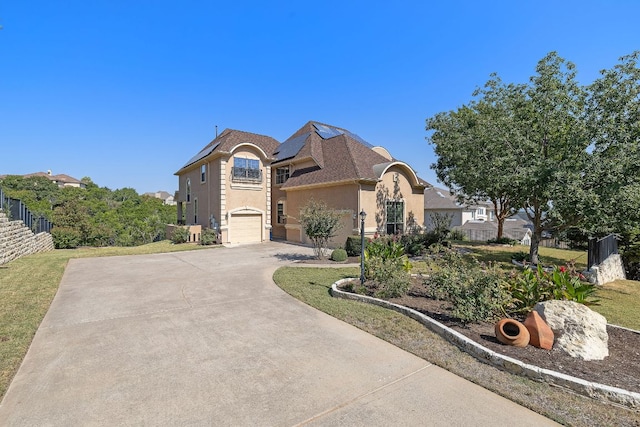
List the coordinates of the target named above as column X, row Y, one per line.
column 37, row 192
column 521, row 146
column 320, row 224
column 466, row 141
column 614, row 126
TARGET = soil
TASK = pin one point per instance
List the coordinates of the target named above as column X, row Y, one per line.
column 620, row 369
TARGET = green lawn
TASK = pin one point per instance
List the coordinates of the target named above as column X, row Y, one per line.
column 27, row 287
column 619, row 303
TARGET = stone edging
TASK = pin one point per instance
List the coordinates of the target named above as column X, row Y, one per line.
column 595, row 390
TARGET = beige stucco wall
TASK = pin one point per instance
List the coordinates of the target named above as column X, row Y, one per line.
column 396, row 189
column 343, row 198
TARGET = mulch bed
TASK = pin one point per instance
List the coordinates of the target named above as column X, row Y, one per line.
column 620, row 369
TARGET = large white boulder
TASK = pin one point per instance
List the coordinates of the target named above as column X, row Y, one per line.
column 579, row 331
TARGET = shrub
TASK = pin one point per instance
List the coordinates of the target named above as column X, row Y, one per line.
column 320, row 224
column 180, row 235
column 533, row 286
column 209, row 236
column 387, row 267
column 520, row 256
column 457, row 235
column 353, row 246
column 503, row 241
column 65, row 237
column 339, row 255
column 476, row 292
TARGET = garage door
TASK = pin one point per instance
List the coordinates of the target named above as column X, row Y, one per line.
column 246, row 228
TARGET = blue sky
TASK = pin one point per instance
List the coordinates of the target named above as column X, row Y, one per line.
column 125, row 92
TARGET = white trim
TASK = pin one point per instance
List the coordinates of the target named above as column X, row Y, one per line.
column 246, row 210
column 381, row 172
column 264, row 155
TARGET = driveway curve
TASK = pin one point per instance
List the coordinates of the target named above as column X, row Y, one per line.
column 205, row 338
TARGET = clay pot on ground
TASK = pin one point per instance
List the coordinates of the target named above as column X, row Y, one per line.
column 540, row 332
column 512, row 332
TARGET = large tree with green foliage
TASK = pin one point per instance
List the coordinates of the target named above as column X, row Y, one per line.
column 466, row 142
column 531, row 139
column 614, row 126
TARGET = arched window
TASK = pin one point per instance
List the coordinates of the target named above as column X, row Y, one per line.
column 188, row 190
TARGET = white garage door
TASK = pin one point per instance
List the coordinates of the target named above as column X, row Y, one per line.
column 246, row 228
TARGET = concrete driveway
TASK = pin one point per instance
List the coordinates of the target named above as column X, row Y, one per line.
column 205, row 338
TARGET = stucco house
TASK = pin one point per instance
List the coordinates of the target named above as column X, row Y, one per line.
column 438, row 200
column 251, row 188
column 165, row 196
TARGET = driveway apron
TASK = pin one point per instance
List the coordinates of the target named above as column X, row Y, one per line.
column 205, row 338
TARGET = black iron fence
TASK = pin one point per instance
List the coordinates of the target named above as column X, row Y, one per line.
column 601, row 249
column 16, row 210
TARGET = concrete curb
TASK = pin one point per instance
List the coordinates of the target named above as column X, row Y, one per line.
column 594, row 390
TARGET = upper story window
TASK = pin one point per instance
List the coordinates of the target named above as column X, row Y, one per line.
column 481, row 211
column 282, row 175
column 203, row 173
column 395, row 217
column 188, row 189
column 246, row 170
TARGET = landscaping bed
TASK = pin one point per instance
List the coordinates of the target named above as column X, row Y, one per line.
column 620, row 369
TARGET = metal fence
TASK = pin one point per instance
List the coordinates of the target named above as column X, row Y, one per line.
column 16, row 210
column 601, row 249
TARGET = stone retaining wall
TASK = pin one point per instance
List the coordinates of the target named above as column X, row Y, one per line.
column 17, row 240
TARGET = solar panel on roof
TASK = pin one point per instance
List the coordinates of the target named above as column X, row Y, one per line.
column 360, row 140
column 290, row 147
column 326, row 132
column 202, row 154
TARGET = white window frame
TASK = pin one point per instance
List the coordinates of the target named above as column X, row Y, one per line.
column 281, row 218
column 282, row 175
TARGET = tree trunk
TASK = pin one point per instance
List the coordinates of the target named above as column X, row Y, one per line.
column 500, row 227
column 535, row 244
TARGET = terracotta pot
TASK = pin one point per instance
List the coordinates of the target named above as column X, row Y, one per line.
column 512, row 332
column 540, row 332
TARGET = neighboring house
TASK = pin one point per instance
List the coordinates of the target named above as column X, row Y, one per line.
column 166, row 198
column 477, row 221
column 251, row 188
column 61, row 180
column 438, row 200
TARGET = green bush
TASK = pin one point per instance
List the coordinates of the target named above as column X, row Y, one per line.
column 503, row 241
column 387, row 267
column 339, row 255
column 476, row 292
column 180, row 235
column 530, row 287
column 457, row 235
column 208, row 237
column 65, row 237
column 353, row 246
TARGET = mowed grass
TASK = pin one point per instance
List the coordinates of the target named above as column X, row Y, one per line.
column 312, row 286
column 27, row 287
column 619, row 303
column 503, row 254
